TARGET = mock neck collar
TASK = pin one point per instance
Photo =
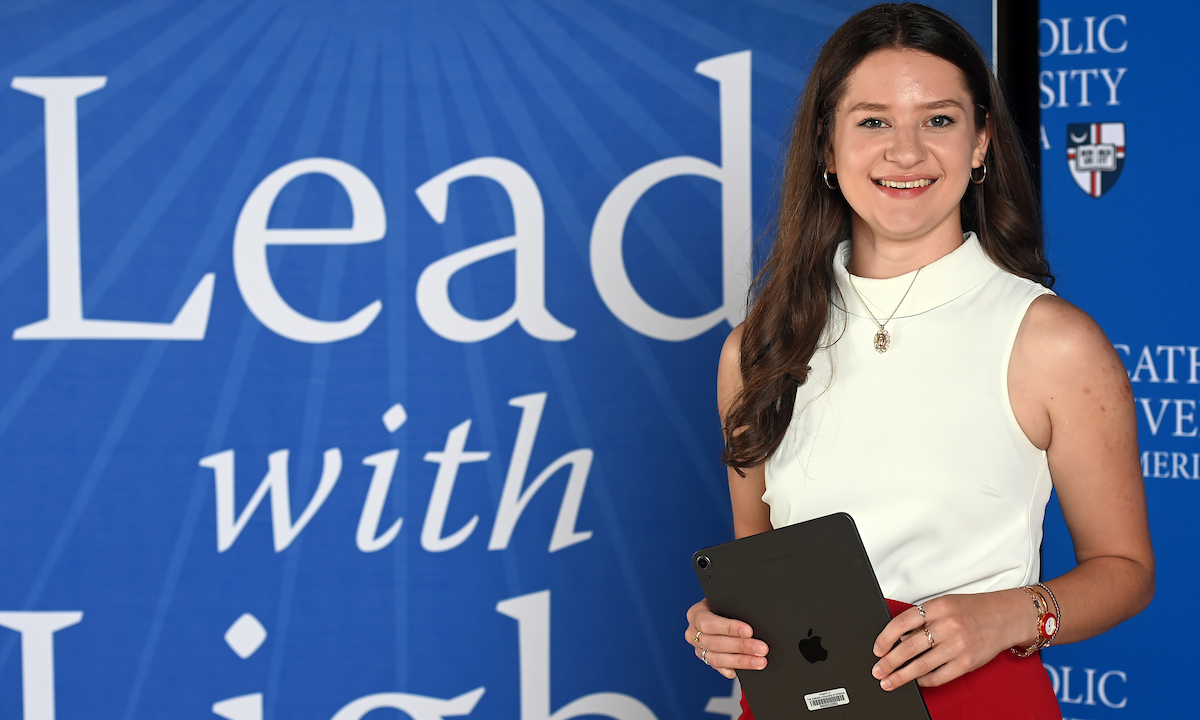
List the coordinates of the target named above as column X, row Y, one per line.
column 945, row 279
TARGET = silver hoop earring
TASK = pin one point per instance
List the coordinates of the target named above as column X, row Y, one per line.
column 831, row 185
column 982, row 177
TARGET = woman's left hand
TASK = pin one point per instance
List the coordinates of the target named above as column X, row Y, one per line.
column 966, row 632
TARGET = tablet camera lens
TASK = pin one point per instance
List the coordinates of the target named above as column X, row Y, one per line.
column 702, row 562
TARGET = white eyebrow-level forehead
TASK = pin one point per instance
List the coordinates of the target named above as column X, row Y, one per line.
column 935, row 105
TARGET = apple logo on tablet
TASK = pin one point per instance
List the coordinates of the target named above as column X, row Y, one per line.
column 811, row 648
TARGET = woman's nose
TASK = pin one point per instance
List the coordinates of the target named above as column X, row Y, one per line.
column 906, row 148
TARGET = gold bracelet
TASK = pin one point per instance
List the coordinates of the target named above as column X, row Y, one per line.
column 1057, row 612
column 1047, row 624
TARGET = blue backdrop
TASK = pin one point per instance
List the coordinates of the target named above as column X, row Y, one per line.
column 361, row 353
column 1120, row 241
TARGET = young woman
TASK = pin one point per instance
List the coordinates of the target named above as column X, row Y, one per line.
column 904, row 361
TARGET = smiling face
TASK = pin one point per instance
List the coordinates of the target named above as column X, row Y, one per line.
column 904, row 143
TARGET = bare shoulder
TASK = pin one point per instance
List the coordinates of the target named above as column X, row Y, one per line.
column 731, row 351
column 1065, row 378
column 1062, row 340
column 729, row 372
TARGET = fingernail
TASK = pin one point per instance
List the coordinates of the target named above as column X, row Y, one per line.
column 875, row 650
column 746, row 632
column 760, row 649
column 886, row 684
column 759, row 663
column 876, row 672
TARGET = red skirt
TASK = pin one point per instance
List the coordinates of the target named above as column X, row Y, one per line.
column 1007, row 687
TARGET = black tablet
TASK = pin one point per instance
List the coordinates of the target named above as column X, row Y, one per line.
column 809, row 592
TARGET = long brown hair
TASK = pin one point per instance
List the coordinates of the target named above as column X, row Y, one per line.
column 791, row 295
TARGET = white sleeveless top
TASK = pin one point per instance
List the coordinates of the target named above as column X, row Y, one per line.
column 919, row 444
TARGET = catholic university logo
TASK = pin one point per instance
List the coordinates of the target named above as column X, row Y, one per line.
column 1096, row 155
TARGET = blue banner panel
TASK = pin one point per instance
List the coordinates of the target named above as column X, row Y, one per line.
column 359, row 356
column 1120, row 243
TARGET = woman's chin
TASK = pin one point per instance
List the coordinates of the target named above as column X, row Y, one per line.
column 901, row 232
column 907, row 227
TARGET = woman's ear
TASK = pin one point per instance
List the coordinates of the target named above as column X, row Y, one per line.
column 826, row 148
column 982, row 141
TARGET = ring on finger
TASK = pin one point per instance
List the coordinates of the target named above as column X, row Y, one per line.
column 922, row 611
column 696, row 639
column 704, row 656
column 928, row 636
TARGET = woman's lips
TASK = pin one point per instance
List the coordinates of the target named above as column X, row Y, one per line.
column 903, row 189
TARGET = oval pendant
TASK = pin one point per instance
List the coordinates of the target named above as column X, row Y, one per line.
column 882, row 340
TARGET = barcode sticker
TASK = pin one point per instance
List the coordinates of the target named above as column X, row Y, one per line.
column 827, row 699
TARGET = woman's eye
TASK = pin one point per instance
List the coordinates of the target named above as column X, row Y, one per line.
column 871, row 123
column 942, row 121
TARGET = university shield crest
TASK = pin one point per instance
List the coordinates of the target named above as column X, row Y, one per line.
column 1096, row 155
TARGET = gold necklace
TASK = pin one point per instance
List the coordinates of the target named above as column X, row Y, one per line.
column 883, row 339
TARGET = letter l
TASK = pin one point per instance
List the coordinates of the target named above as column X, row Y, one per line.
column 64, row 313
column 37, row 656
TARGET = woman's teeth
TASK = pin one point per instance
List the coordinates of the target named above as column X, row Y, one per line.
column 905, row 185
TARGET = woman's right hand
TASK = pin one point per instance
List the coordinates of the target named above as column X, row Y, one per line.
column 730, row 643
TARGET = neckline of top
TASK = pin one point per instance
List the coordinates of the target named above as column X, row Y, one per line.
column 941, row 281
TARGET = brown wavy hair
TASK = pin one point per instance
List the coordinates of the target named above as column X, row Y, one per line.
column 791, row 295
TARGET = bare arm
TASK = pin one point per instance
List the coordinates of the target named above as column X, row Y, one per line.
column 751, row 515
column 1071, row 397
column 729, row 642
